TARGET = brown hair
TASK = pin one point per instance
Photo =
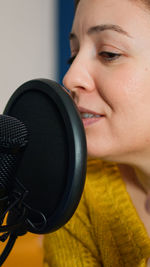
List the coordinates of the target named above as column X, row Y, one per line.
column 76, row 2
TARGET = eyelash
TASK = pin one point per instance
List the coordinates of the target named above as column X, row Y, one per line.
column 70, row 60
column 109, row 56
column 106, row 55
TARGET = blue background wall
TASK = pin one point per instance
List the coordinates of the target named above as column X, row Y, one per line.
column 65, row 17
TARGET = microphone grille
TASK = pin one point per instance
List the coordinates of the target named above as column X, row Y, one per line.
column 13, row 133
column 13, row 137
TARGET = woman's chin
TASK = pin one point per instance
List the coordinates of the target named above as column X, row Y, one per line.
column 104, row 154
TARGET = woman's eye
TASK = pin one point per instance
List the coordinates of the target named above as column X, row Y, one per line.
column 70, row 60
column 109, row 56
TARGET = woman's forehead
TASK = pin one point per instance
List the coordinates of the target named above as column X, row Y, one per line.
column 125, row 13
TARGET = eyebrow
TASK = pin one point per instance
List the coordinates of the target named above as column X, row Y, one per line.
column 100, row 28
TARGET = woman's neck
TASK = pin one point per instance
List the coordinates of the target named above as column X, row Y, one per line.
column 137, row 183
column 137, row 175
column 144, row 178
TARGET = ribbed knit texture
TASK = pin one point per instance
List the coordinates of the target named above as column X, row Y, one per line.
column 105, row 230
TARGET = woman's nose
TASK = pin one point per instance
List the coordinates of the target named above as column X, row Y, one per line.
column 79, row 77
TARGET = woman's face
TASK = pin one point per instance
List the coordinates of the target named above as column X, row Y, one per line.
column 110, row 77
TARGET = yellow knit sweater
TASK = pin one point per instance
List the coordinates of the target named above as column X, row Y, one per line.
column 105, row 229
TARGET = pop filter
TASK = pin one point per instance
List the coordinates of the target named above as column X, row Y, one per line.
column 53, row 165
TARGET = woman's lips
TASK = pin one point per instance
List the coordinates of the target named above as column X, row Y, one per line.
column 89, row 116
column 89, row 121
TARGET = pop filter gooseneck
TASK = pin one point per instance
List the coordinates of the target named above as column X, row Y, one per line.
column 42, row 160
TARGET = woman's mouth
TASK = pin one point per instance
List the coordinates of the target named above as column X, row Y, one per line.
column 89, row 117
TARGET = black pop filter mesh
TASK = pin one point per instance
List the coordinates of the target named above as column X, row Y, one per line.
column 53, row 165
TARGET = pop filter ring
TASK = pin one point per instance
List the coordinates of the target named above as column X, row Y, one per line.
column 77, row 148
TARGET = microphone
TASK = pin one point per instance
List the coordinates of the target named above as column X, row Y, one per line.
column 42, row 160
column 13, row 137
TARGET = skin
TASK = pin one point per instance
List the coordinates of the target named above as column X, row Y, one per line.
column 116, row 85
